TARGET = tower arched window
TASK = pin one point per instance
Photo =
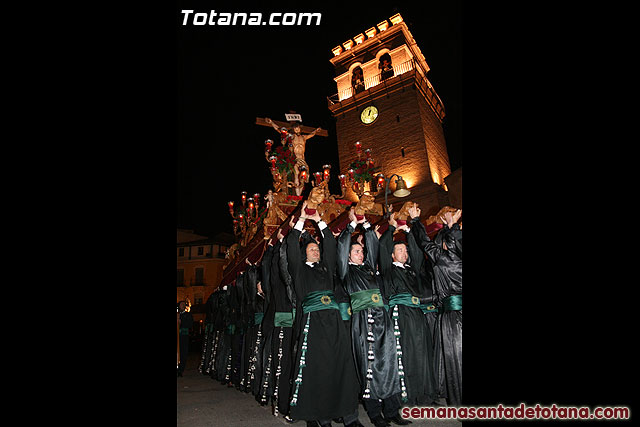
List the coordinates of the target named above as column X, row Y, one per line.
column 385, row 67
column 357, row 80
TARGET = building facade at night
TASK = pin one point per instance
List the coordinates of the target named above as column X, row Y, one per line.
column 200, row 263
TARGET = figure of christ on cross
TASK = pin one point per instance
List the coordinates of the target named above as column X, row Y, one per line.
column 298, row 143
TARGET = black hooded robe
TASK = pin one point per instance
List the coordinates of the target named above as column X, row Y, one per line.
column 329, row 387
column 263, row 385
column 238, row 316
column 209, row 334
column 251, row 335
column 416, row 344
column 447, row 270
column 219, row 324
column 382, row 382
column 432, row 318
column 280, row 287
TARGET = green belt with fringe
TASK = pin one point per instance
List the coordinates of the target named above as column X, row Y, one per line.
column 404, row 298
column 319, row 300
column 452, row 303
column 284, row 318
column 368, row 298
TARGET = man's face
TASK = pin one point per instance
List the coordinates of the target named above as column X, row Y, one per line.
column 313, row 252
column 296, row 130
column 183, row 306
column 356, row 254
column 400, row 253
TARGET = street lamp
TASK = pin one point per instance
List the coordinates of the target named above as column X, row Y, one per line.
column 401, row 191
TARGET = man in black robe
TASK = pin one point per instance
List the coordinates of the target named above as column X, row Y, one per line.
column 240, row 330
column 405, row 290
column 186, row 321
column 447, row 269
column 249, row 315
column 373, row 341
column 219, row 325
column 281, row 317
column 209, row 333
column 325, row 382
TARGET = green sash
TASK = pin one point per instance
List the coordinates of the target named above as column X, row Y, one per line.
column 404, row 299
column 257, row 318
column 368, row 298
column 452, row 303
column 284, row 318
column 319, row 300
column 345, row 310
column 428, row 308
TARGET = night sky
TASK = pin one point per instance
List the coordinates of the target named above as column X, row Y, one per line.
column 228, row 76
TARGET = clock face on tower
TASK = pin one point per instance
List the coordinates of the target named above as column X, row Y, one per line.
column 369, row 115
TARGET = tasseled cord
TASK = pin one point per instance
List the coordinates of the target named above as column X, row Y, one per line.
column 396, row 332
column 298, row 380
column 278, row 372
column 370, row 340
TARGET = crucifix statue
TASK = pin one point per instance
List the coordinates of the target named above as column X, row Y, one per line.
column 298, row 144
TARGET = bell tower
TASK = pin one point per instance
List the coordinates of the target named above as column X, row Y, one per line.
column 386, row 102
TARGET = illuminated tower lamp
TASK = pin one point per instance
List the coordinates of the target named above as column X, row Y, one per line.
column 359, row 38
column 348, row 44
column 395, row 19
column 371, row 32
column 383, row 25
column 400, row 191
column 337, row 50
column 326, row 170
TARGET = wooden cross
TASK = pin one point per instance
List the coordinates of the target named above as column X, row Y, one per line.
column 289, row 125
